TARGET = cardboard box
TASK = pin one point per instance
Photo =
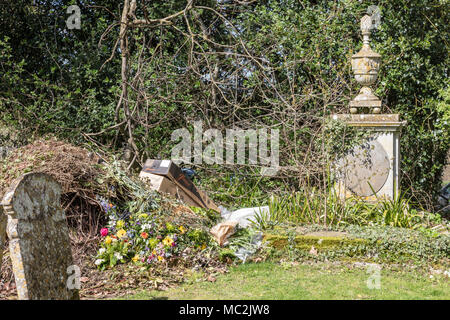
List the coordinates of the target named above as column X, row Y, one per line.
column 169, row 170
column 164, row 185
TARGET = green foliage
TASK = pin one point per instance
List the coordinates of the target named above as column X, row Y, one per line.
column 113, row 254
column 311, row 43
column 242, row 239
column 338, row 138
column 199, row 237
column 226, row 254
column 239, row 187
column 399, row 244
column 396, row 213
column 374, row 243
column 264, row 220
column 312, row 206
column 212, row 216
column 294, row 281
column 53, row 80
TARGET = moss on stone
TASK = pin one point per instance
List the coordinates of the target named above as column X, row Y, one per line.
column 305, row 242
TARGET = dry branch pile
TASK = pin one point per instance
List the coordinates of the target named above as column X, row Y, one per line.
column 75, row 168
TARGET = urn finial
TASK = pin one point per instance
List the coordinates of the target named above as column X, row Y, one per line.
column 366, row 24
column 365, row 65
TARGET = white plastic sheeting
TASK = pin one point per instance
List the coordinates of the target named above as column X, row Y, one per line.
column 244, row 217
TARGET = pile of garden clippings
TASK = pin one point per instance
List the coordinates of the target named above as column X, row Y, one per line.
column 83, row 179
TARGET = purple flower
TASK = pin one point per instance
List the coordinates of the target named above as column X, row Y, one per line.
column 104, row 205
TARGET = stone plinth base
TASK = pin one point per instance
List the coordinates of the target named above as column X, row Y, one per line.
column 371, row 170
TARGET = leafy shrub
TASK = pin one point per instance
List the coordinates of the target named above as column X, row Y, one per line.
column 396, row 213
column 299, row 75
column 370, row 243
column 311, row 206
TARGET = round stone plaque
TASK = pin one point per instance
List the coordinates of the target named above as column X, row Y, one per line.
column 366, row 167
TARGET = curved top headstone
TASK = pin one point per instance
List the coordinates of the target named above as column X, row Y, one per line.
column 2, row 233
column 38, row 238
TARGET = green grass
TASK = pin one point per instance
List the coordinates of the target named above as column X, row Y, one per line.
column 270, row 281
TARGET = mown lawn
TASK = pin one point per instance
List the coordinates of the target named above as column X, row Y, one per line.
column 270, row 281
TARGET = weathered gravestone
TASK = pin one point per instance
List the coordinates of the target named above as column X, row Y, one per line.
column 38, row 238
column 2, row 233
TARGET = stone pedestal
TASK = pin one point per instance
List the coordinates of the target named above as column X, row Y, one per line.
column 371, row 170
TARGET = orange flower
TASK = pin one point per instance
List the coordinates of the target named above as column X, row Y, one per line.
column 144, row 235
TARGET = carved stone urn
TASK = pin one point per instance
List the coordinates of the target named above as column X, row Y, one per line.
column 365, row 66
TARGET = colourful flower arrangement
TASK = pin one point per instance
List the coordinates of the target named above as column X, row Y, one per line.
column 143, row 238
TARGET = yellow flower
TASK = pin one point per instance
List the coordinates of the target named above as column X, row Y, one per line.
column 160, row 258
column 204, row 246
column 182, row 229
column 135, row 258
column 120, row 224
column 154, row 252
column 108, row 240
column 143, row 215
column 167, row 241
column 121, row 233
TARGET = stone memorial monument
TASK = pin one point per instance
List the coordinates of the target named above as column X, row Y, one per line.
column 38, row 238
column 371, row 170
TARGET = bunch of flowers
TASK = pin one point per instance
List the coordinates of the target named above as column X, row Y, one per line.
column 143, row 238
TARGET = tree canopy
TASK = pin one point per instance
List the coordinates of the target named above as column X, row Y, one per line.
column 278, row 63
